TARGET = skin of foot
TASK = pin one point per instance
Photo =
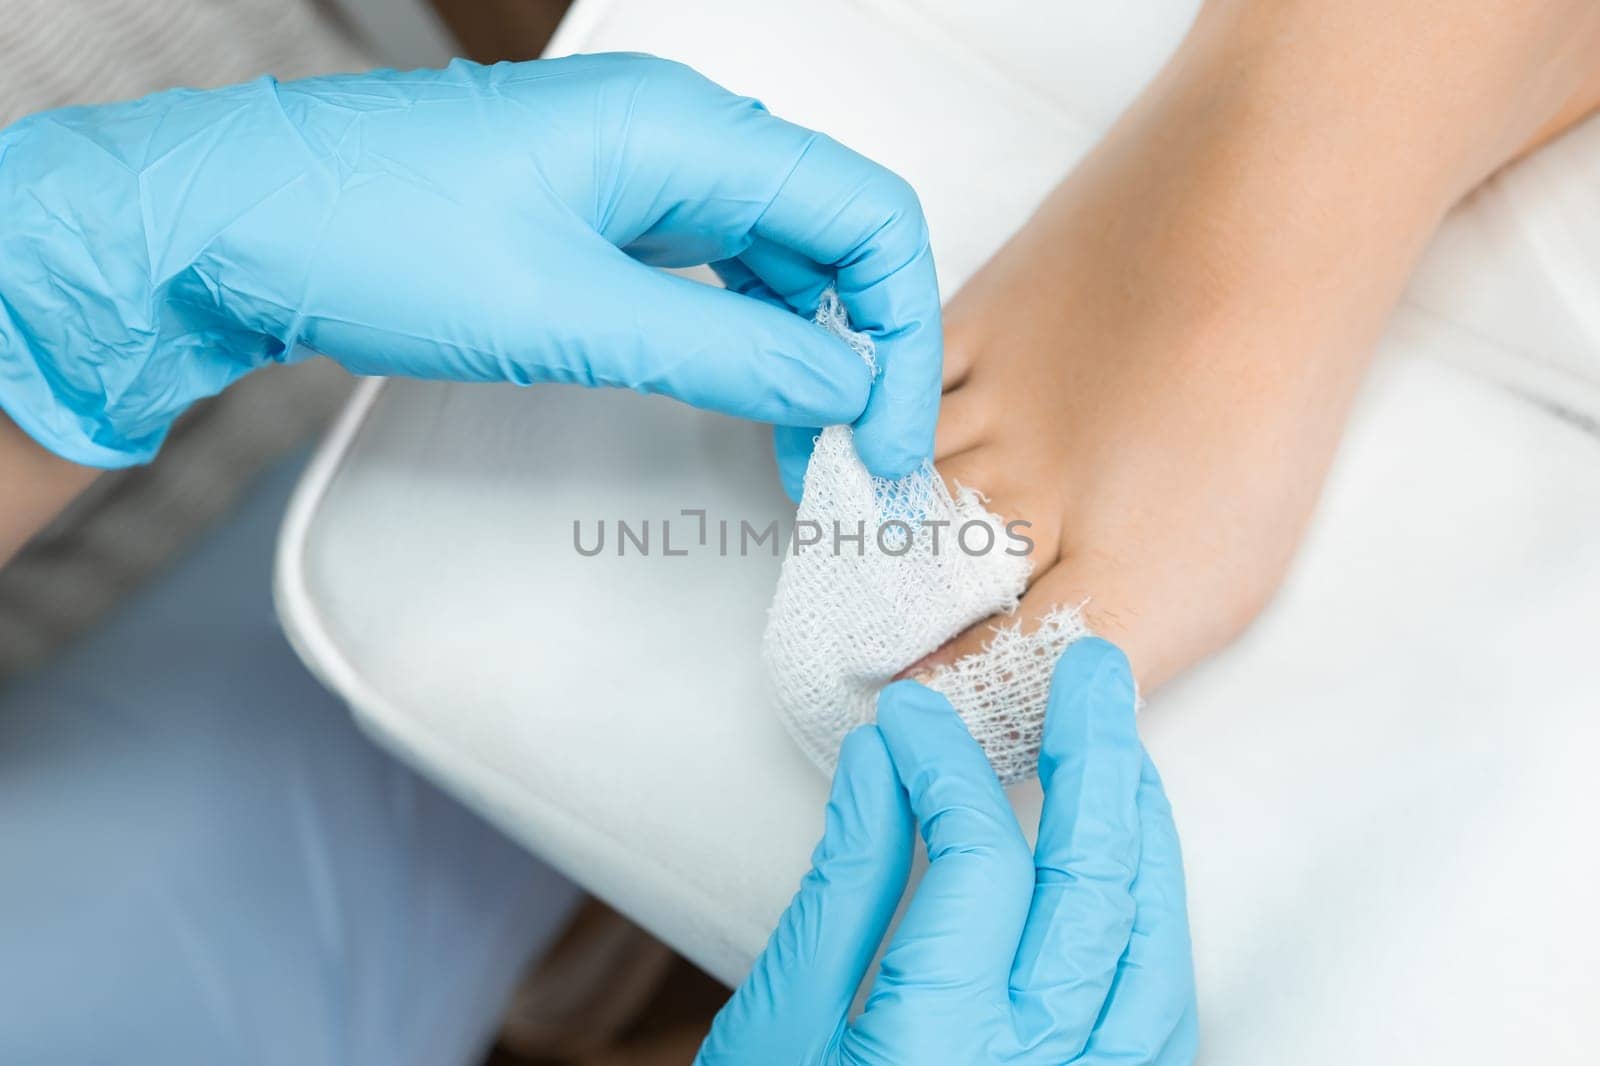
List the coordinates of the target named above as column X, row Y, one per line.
column 1156, row 370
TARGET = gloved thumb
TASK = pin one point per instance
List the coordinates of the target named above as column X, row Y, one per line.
column 795, row 1002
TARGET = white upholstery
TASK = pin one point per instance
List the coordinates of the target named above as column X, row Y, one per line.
column 1385, row 790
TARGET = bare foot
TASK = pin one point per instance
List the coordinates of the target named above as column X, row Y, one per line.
column 1156, row 371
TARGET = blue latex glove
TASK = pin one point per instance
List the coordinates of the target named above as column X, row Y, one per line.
column 475, row 223
column 1078, row 952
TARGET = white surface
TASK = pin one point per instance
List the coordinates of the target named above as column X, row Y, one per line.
column 1385, row 790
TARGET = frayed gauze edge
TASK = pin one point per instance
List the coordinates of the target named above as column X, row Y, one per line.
column 843, row 623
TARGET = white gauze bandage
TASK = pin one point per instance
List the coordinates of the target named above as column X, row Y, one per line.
column 897, row 568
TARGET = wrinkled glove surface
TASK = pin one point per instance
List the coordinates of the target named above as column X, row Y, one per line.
column 473, row 223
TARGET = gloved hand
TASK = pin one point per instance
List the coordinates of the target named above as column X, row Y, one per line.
column 476, row 223
column 1078, row 953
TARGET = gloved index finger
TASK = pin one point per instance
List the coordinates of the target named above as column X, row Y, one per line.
column 1087, row 852
column 1152, row 1017
column 840, row 209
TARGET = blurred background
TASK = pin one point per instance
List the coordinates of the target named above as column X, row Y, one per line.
column 606, row 993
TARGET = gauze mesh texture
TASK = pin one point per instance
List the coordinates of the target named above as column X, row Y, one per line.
column 896, row 569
